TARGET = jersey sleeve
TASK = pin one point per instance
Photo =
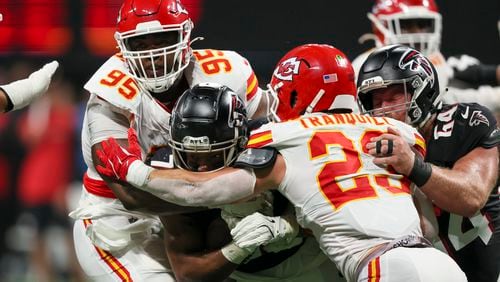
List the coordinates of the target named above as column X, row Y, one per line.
column 227, row 68
column 482, row 124
column 105, row 120
column 112, row 82
column 253, row 91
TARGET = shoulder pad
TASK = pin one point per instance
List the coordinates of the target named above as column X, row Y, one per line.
column 223, row 67
column 112, row 82
column 492, row 140
column 256, row 158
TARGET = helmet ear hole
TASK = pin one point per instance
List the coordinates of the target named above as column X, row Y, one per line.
column 293, row 99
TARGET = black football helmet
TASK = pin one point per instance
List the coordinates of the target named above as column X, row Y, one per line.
column 209, row 121
column 398, row 64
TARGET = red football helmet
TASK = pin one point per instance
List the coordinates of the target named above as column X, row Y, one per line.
column 143, row 17
column 312, row 78
column 415, row 23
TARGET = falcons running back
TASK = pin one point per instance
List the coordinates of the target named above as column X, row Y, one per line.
column 138, row 88
column 474, row 242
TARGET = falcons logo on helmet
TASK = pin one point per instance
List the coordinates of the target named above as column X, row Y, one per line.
column 287, row 69
column 416, row 61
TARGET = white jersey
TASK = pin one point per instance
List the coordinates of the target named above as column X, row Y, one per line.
column 349, row 203
column 116, row 101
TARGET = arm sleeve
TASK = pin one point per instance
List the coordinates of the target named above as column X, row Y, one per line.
column 222, row 189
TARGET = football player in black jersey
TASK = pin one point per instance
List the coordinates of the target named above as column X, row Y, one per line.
column 460, row 169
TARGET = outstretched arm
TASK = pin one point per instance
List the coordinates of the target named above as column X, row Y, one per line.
column 186, row 188
column 135, row 199
column 196, row 189
column 20, row 93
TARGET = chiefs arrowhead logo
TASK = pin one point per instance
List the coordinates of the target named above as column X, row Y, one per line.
column 415, row 61
column 287, row 69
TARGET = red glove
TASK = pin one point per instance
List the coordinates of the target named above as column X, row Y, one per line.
column 116, row 159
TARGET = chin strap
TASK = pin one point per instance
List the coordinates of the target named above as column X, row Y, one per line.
column 315, row 101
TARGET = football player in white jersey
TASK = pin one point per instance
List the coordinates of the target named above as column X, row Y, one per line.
column 114, row 238
column 198, row 244
column 361, row 214
column 20, row 93
column 299, row 259
column 418, row 24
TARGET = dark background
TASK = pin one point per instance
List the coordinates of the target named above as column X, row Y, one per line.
column 260, row 30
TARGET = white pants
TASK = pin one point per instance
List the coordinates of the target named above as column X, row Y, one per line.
column 144, row 261
column 412, row 265
column 308, row 264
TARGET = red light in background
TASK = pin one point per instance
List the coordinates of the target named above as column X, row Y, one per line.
column 44, row 27
column 100, row 23
column 99, row 26
column 7, row 26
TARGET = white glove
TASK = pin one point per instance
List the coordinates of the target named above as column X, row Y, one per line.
column 257, row 229
column 234, row 213
column 22, row 92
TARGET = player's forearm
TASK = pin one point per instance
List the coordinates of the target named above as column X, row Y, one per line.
column 207, row 267
column 196, row 189
column 137, row 200
column 456, row 191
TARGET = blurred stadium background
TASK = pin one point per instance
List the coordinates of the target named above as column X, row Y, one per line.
column 40, row 160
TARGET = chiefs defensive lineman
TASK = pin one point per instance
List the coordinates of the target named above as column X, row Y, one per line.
column 114, row 237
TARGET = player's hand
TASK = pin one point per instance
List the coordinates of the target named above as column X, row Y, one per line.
column 257, row 229
column 392, row 150
column 22, row 92
column 117, row 160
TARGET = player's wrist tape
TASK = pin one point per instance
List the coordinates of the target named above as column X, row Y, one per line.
column 421, row 172
column 235, row 254
column 138, row 173
column 15, row 96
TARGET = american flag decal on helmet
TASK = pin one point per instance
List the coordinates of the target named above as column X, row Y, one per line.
column 415, row 61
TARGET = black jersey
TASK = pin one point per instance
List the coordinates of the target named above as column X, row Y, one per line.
column 473, row 242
